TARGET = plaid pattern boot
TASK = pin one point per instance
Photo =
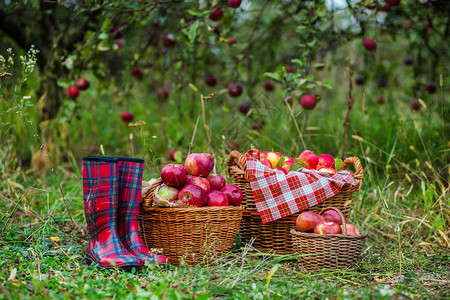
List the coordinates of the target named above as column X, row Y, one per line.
column 100, row 188
column 130, row 189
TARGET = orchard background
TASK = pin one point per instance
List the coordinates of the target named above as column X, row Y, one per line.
column 178, row 66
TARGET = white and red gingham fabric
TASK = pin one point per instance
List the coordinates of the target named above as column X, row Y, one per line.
column 278, row 195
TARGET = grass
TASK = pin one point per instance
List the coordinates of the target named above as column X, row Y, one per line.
column 42, row 250
column 403, row 205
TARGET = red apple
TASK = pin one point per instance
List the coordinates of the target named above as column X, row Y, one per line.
column 175, row 155
column 273, row 157
column 199, row 164
column 173, row 175
column 169, row 40
column 119, row 43
column 233, row 193
column 137, row 73
column 231, row 41
column 393, row 2
column 332, row 216
column 386, row 7
column 168, row 193
column 288, row 164
column 117, row 32
column 126, row 116
column 380, row 99
column 234, row 3
column 162, row 94
column 327, row 227
column 351, row 229
column 307, row 221
column 257, row 126
column 210, row 80
column 82, row 84
column 269, row 86
column 415, row 105
column 326, row 160
column 308, row 101
column 216, row 198
column 359, row 80
column 408, row 61
column 331, row 171
column 244, row 108
column 282, row 170
column 72, row 92
column 310, row 158
column 235, row 89
column 431, row 88
column 216, row 14
column 216, row 181
column 290, row 69
column 266, row 162
column 193, row 195
column 369, row 44
column 216, row 29
column 199, row 181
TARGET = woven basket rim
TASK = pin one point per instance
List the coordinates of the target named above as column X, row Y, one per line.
column 193, row 209
column 326, row 236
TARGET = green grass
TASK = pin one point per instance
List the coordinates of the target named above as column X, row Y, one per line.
column 41, row 256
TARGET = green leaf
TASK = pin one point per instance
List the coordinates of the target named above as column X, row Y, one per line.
column 191, row 32
column 106, row 23
column 337, row 163
column 296, row 166
column 327, row 85
column 316, row 64
column 178, row 156
column 273, row 76
column 198, row 13
column 271, row 273
column 103, row 36
column 225, row 108
column 280, row 162
column 297, row 61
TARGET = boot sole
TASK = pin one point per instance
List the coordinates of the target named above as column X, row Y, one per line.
column 126, row 268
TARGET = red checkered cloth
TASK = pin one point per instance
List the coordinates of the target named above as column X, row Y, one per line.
column 278, row 195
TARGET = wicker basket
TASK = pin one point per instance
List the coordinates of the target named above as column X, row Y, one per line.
column 194, row 234
column 276, row 235
column 331, row 251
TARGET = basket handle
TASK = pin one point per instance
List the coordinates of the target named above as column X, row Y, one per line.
column 358, row 175
column 344, row 223
column 147, row 202
column 237, row 162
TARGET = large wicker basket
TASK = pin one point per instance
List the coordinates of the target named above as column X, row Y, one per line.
column 276, row 235
column 194, row 234
column 331, row 251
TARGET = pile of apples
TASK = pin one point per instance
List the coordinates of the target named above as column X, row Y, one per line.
column 328, row 223
column 307, row 159
column 194, row 185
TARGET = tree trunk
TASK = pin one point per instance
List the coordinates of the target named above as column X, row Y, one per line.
column 49, row 96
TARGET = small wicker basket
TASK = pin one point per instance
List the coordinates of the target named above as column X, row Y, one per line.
column 331, row 251
column 276, row 235
column 194, row 234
